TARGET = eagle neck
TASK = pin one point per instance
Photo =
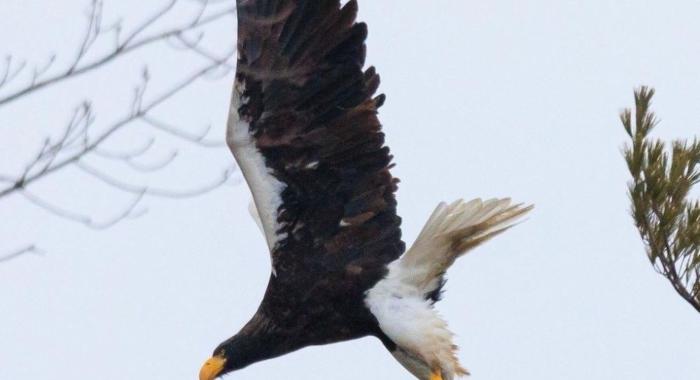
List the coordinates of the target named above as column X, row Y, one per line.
column 257, row 341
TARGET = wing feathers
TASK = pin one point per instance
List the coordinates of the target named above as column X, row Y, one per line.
column 314, row 142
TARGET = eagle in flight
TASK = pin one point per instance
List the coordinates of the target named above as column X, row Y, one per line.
column 303, row 128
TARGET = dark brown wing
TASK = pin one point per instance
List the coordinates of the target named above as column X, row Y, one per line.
column 305, row 133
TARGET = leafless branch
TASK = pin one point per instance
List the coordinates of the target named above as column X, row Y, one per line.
column 126, row 213
column 19, row 252
column 152, row 166
column 9, row 74
column 165, row 193
column 180, row 41
column 150, row 21
column 143, row 108
column 86, row 141
column 126, row 155
column 137, row 38
column 195, row 138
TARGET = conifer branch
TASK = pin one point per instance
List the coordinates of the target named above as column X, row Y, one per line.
column 662, row 177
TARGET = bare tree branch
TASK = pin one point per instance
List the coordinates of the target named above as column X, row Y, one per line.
column 126, row 155
column 165, row 193
column 85, row 137
column 194, row 46
column 142, row 110
column 136, row 39
column 195, row 138
column 126, row 213
column 152, row 166
column 150, row 21
column 8, row 73
column 19, row 252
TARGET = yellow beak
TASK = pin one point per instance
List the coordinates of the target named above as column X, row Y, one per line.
column 212, row 368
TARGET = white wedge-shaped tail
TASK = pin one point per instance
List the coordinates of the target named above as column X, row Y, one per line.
column 453, row 230
column 403, row 302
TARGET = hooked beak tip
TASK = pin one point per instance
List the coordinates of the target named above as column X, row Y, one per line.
column 212, row 368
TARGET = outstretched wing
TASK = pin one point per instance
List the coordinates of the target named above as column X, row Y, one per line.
column 304, row 130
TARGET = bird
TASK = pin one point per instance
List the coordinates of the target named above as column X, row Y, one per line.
column 303, row 128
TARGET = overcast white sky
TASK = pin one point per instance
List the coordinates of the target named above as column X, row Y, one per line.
column 498, row 98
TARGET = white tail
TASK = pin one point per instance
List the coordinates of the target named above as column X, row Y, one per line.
column 453, row 230
column 403, row 302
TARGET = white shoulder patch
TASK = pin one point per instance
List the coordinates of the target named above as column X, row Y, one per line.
column 266, row 189
column 253, row 211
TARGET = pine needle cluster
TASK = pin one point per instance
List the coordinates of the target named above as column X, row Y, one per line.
column 662, row 177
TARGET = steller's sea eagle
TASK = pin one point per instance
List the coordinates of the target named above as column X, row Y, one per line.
column 303, row 128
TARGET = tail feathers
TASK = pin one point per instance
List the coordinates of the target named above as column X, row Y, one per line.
column 453, row 230
column 475, row 222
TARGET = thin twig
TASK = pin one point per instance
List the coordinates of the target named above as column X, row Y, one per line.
column 164, row 193
column 8, row 75
column 126, row 155
column 195, row 138
column 194, row 46
column 91, row 33
column 109, row 131
column 153, row 166
column 131, row 43
column 19, row 252
column 61, row 212
column 81, row 138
